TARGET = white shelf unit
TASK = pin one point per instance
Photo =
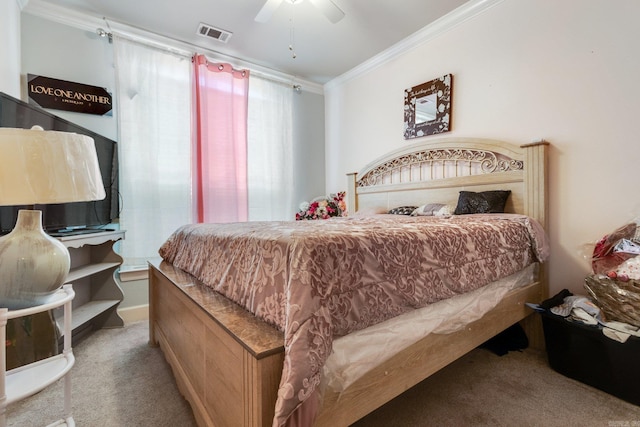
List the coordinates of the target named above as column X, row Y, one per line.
column 94, row 264
column 25, row 381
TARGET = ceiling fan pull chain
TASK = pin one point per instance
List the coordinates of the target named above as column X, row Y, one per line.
column 292, row 31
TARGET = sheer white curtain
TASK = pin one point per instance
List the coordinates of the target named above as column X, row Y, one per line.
column 270, row 150
column 153, row 94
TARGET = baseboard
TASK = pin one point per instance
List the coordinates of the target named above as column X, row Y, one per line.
column 134, row 314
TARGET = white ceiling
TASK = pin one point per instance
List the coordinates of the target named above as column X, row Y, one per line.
column 323, row 50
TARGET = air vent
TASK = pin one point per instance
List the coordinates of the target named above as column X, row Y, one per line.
column 206, row 30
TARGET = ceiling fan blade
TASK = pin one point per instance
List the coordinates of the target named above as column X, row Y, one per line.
column 267, row 10
column 330, row 10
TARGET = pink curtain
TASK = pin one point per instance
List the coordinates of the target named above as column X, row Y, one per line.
column 220, row 172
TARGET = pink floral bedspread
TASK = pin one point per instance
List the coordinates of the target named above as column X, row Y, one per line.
column 316, row 280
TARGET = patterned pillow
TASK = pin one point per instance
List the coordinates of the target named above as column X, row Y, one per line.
column 629, row 269
column 470, row 202
column 402, row 210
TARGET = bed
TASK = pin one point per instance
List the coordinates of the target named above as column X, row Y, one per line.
column 229, row 363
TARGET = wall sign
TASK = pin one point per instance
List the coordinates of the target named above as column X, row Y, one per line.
column 69, row 96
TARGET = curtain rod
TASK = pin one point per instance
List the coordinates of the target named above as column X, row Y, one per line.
column 221, row 66
column 288, row 80
column 187, row 50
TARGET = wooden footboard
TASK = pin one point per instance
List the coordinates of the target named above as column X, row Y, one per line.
column 227, row 364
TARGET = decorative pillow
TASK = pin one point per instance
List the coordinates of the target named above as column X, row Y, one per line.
column 402, row 210
column 470, row 202
column 429, row 209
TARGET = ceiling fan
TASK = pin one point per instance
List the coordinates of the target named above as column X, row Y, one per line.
column 327, row 7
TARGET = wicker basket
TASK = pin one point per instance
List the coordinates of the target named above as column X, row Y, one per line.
column 618, row 300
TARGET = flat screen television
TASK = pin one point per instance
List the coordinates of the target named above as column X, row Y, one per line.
column 64, row 217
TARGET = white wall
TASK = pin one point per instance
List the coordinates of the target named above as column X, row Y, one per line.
column 566, row 71
column 308, row 151
column 10, row 47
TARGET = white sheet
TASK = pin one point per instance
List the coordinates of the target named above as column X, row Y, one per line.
column 355, row 354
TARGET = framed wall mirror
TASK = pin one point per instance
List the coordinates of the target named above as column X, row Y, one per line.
column 427, row 108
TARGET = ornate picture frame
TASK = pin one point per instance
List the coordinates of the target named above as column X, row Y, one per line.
column 427, row 108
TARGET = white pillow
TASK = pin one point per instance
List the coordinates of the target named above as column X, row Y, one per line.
column 446, row 210
column 427, row 210
column 434, row 209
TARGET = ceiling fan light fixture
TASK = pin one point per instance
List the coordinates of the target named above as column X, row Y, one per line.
column 327, row 7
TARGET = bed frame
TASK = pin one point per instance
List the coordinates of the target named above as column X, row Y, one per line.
column 228, row 364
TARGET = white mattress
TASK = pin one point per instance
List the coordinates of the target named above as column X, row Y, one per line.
column 355, row 354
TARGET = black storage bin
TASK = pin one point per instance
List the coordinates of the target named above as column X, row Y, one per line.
column 584, row 353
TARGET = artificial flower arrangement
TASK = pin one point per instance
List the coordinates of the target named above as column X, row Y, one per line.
column 323, row 207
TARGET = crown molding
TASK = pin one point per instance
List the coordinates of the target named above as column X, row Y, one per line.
column 91, row 23
column 62, row 15
column 440, row 26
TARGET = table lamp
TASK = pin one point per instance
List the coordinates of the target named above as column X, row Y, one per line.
column 40, row 167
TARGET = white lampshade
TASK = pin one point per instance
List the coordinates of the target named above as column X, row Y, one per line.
column 40, row 167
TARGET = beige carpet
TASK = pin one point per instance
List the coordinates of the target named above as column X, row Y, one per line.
column 118, row 380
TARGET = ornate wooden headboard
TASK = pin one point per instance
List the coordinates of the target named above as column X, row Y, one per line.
column 435, row 171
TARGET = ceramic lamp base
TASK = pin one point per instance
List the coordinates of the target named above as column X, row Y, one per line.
column 33, row 265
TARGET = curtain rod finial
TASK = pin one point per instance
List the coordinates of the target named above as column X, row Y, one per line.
column 102, row 33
